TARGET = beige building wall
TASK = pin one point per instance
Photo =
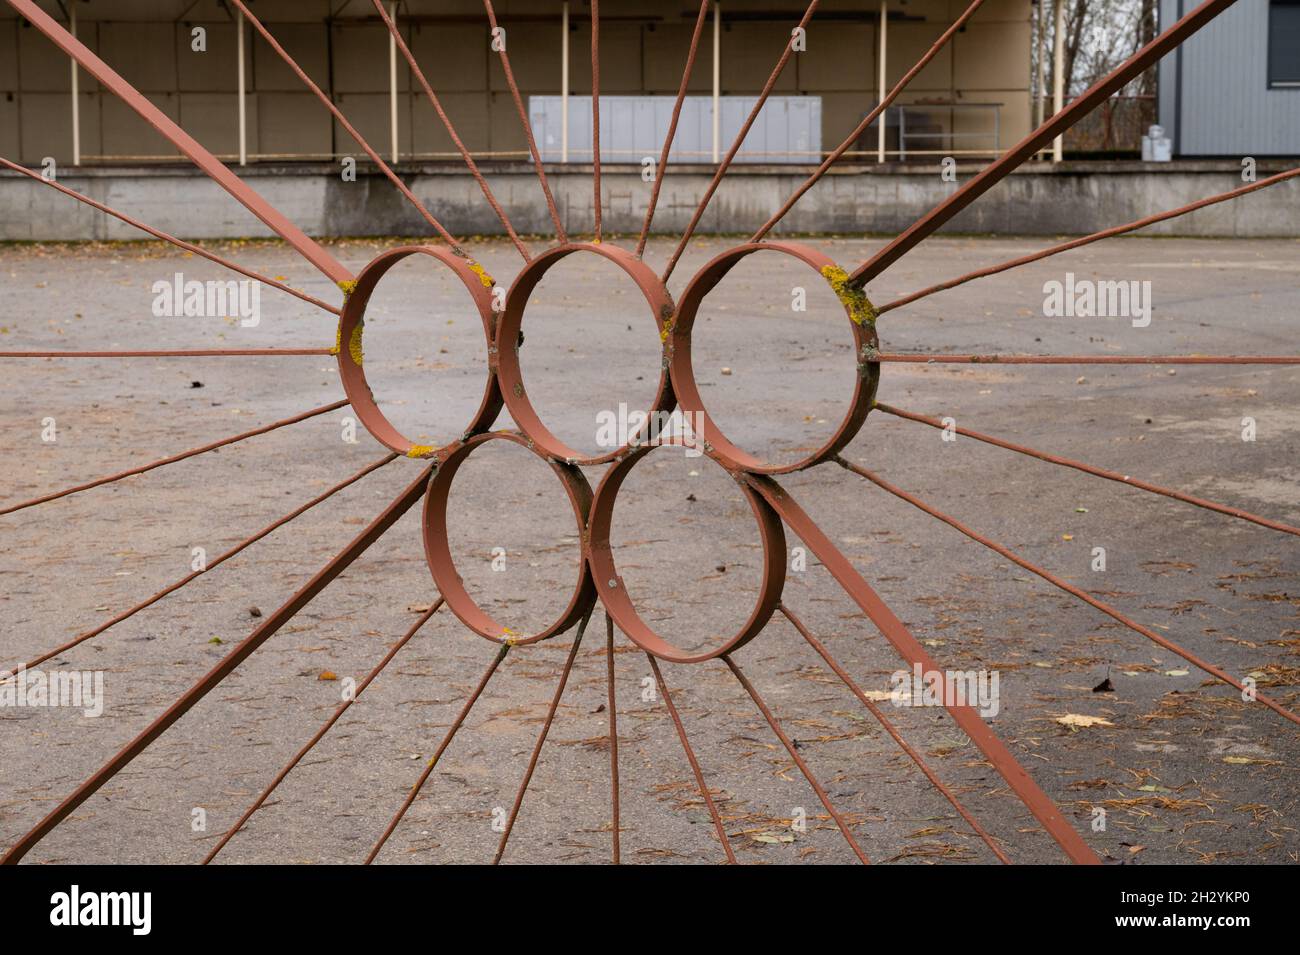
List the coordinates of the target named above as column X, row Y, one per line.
column 643, row 49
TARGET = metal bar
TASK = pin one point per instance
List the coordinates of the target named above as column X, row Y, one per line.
column 391, row 24
column 172, row 588
column 1069, row 588
column 894, row 630
column 798, row 760
column 349, row 128
column 1092, row 359
column 320, row 733
column 442, row 748
column 975, row 187
column 889, row 728
column 1096, row 472
column 613, row 734
column 712, row 188
column 324, row 409
column 560, row 234
column 312, row 251
column 158, row 234
column 690, row 758
column 541, row 739
column 687, row 70
column 336, row 565
column 879, row 112
column 1089, row 239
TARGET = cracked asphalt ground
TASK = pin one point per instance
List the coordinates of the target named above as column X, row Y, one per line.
column 1186, row 771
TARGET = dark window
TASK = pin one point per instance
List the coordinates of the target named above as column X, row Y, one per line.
column 1284, row 43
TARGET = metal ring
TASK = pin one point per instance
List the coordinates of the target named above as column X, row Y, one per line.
column 437, row 549
column 861, row 317
column 508, row 370
column 613, row 593
column 349, row 350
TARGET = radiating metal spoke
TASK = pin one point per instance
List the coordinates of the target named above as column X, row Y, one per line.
column 172, row 459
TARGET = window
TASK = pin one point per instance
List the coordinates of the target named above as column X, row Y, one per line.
column 1284, row 43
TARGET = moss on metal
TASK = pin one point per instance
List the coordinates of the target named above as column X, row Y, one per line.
column 854, row 299
column 354, row 343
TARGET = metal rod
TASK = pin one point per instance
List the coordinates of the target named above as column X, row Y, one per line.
column 173, row 587
column 1069, row 588
column 560, row 234
column 1089, row 239
column 311, row 250
column 896, row 632
column 442, row 748
column 798, row 760
column 975, row 187
column 889, row 728
column 690, row 758
column 687, row 70
column 336, row 565
column 739, row 141
column 158, row 234
column 320, row 733
column 878, row 112
column 172, row 459
column 541, row 739
column 351, row 130
column 1095, row 471
column 391, row 24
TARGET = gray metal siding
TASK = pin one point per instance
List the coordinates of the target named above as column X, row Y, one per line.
column 1226, row 107
column 788, row 128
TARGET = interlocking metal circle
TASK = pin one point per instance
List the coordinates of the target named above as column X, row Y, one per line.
column 598, row 575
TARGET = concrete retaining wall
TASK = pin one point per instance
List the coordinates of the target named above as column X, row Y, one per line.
column 1072, row 198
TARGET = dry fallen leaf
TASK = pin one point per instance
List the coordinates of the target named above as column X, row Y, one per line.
column 327, row 675
column 1079, row 721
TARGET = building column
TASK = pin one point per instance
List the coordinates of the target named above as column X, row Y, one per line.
column 243, row 91
column 1058, row 73
column 392, row 80
column 564, row 82
column 717, row 80
column 880, row 120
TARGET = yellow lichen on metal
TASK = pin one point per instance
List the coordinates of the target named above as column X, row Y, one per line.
column 354, row 344
column 338, row 339
column 348, row 286
column 667, row 330
column 509, row 637
column 421, row 450
column 487, row 280
column 854, row 299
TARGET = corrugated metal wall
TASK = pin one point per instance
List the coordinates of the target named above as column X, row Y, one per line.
column 1218, row 103
column 788, row 128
